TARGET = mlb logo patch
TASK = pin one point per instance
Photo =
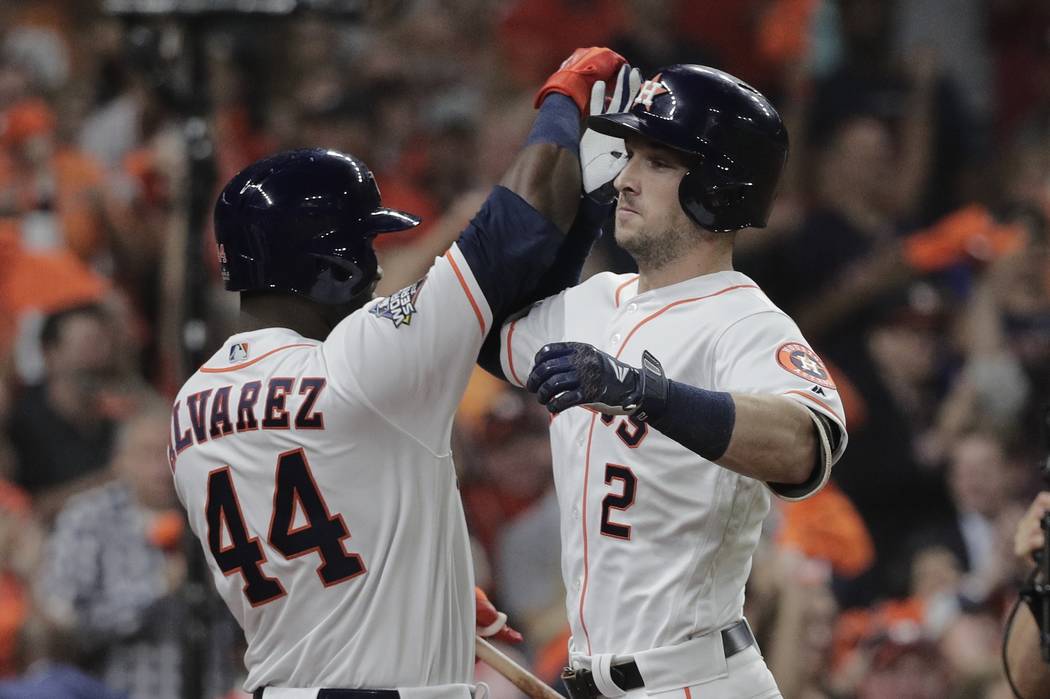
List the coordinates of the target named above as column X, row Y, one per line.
column 238, row 352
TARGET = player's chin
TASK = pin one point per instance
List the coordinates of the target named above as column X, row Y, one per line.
column 627, row 227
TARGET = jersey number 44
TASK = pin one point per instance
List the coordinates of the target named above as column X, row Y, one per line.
column 323, row 533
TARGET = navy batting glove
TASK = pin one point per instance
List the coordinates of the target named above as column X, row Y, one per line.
column 575, row 373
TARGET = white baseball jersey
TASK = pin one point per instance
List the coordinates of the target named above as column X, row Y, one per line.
column 319, row 478
column 657, row 541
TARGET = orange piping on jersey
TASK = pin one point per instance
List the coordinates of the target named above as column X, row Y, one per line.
column 818, row 402
column 621, row 288
column 583, row 527
column 466, row 290
column 688, row 694
column 235, row 367
column 669, row 306
column 510, row 353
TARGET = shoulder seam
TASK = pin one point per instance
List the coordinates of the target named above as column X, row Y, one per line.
column 729, row 327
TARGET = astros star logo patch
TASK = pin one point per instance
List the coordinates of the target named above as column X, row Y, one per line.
column 650, row 90
column 804, row 363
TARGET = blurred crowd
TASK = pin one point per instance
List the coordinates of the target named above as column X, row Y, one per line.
column 909, row 242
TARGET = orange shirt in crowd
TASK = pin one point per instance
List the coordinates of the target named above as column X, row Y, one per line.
column 40, row 281
column 14, row 598
column 78, row 197
column 828, row 527
column 865, row 625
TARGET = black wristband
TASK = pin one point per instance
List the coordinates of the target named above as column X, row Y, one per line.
column 653, row 402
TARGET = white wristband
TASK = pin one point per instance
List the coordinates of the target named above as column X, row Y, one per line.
column 494, row 628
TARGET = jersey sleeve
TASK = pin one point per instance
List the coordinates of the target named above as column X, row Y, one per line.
column 522, row 336
column 765, row 353
column 508, row 246
column 409, row 355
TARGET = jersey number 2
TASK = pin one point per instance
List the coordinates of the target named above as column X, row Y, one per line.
column 294, row 489
column 616, row 472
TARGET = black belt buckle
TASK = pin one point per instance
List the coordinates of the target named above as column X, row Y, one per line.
column 580, row 683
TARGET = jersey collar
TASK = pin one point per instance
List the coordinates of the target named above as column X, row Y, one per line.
column 696, row 286
column 246, row 346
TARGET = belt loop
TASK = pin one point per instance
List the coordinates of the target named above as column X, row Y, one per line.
column 601, row 670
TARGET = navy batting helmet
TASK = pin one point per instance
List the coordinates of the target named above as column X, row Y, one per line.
column 303, row 221
column 736, row 137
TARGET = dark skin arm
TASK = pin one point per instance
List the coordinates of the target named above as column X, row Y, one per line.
column 548, row 178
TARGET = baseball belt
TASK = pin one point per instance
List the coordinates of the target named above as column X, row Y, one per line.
column 344, row 693
column 580, row 683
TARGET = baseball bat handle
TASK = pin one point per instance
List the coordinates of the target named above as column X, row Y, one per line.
column 521, row 678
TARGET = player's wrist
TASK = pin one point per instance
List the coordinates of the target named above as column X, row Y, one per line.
column 558, row 122
column 652, row 402
column 698, row 419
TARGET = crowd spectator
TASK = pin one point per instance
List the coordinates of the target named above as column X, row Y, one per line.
column 910, row 241
column 60, row 428
column 114, row 566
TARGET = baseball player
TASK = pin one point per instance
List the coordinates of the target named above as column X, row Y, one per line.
column 311, row 451
column 682, row 397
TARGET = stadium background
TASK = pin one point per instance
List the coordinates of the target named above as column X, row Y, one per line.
column 922, row 118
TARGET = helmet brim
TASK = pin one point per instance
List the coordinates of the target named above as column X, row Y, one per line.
column 384, row 220
column 617, row 125
column 628, row 124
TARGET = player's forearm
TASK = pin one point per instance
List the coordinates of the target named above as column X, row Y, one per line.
column 548, row 178
column 546, row 173
column 1029, row 672
column 769, row 438
column 773, row 440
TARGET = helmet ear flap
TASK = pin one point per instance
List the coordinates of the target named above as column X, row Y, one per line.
column 712, row 205
column 689, row 191
column 343, row 277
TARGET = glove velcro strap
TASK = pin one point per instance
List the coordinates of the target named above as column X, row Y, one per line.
column 654, row 389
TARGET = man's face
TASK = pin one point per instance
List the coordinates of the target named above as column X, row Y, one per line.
column 650, row 221
column 863, row 140
column 140, row 459
column 977, row 475
column 84, row 352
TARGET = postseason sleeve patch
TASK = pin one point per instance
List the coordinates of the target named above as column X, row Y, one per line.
column 804, row 362
column 400, row 306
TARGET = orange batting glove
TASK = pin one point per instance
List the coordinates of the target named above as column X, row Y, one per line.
column 578, row 73
column 492, row 624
